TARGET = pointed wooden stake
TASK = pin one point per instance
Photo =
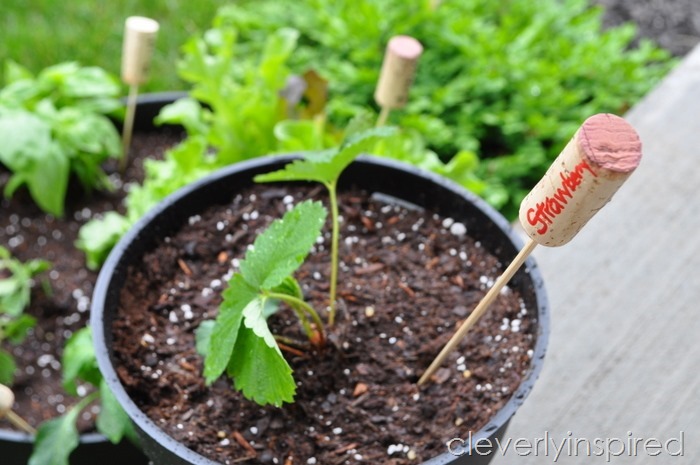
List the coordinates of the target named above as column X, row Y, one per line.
column 7, row 398
column 480, row 309
column 592, row 167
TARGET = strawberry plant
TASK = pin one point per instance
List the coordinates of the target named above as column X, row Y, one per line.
column 266, row 273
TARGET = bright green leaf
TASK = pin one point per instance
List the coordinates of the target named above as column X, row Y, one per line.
column 79, row 362
column 325, row 166
column 260, row 371
column 112, row 422
column 283, row 246
column 228, row 322
column 254, row 319
column 56, row 439
column 7, row 368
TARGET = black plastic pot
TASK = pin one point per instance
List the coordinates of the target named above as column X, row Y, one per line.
column 16, row 448
column 372, row 174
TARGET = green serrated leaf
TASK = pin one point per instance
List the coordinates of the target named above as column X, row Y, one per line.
column 260, row 372
column 325, row 166
column 283, row 246
column 112, row 422
column 228, row 322
column 56, row 439
column 7, row 368
column 79, row 362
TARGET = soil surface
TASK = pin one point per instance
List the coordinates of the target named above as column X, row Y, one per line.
column 407, row 279
column 29, row 233
column 673, row 24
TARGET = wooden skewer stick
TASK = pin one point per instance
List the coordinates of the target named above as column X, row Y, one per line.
column 139, row 38
column 396, row 75
column 595, row 163
column 7, row 398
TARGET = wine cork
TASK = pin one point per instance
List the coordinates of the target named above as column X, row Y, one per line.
column 139, row 39
column 398, row 70
column 7, row 398
column 594, row 164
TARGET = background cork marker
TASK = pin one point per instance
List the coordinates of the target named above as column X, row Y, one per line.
column 7, row 398
column 139, row 39
column 594, row 164
column 396, row 75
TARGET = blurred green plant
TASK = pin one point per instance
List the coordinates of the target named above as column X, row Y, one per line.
column 41, row 33
column 16, row 279
column 55, row 124
column 500, row 89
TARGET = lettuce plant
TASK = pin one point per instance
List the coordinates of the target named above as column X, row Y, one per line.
column 55, row 125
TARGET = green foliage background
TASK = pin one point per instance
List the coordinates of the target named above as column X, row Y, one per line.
column 41, row 33
column 505, row 81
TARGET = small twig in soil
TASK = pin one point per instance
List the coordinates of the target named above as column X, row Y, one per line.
column 404, row 287
column 183, row 266
column 344, row 449
column 238, row 437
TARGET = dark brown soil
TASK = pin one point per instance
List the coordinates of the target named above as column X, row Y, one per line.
column 31, row 234
column 406, row 281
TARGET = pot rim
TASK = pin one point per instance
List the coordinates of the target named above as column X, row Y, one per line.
column 150, row 428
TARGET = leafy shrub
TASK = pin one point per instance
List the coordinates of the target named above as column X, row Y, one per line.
column 508, row 80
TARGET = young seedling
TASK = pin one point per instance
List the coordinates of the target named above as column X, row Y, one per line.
column 260, row 371
column 58, row 437
column 15, row 291
column 325, row 167
column 240, row 331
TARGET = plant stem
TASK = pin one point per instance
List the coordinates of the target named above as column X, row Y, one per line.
column 298, row 303
column 334, row 252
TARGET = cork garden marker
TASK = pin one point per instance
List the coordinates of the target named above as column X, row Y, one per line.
column 594, row 164
column 7, row 398
column 396, row 75
column 139, row 38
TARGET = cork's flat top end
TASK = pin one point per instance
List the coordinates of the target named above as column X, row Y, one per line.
column 405, row 47
column 142, row 24
column 610, row 142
